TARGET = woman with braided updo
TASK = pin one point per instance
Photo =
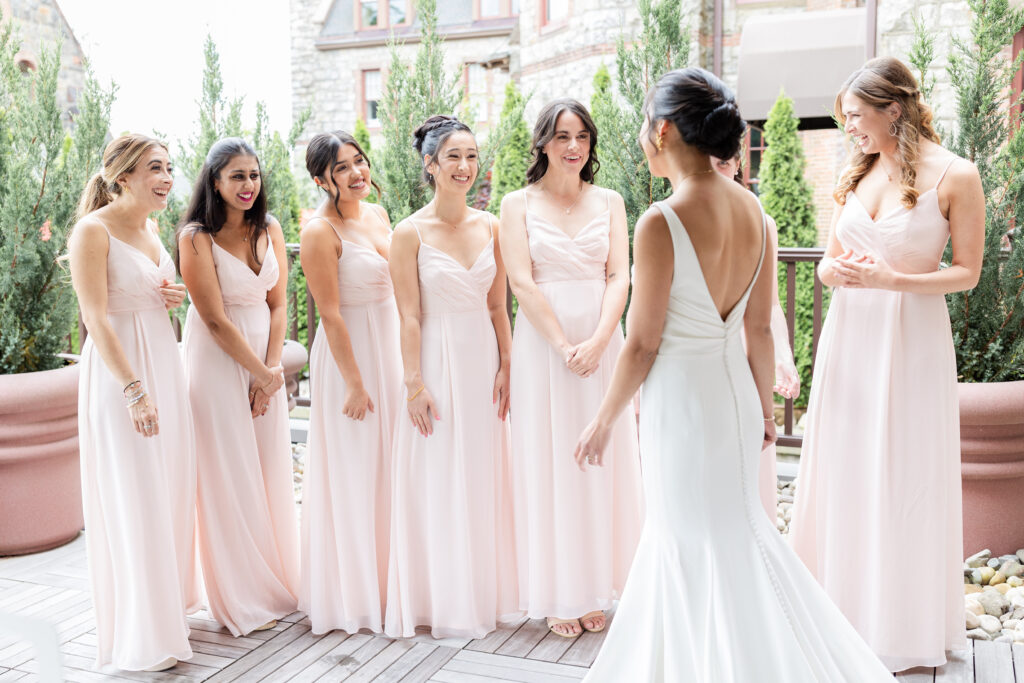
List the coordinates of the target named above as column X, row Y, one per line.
column 452, row 565
column 880, row 466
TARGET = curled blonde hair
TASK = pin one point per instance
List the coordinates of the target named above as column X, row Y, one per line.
column 879, row 83
column 120, row 156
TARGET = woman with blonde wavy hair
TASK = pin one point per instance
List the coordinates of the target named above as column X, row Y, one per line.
column 880, row 467
column 138, row 462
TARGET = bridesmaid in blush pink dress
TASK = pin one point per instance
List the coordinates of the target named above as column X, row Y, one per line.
column 232, row 259
column 138, row 465
column 452, row 565
column 567, row 249
column 880, row 467
column 787, row 379
column 356, row 384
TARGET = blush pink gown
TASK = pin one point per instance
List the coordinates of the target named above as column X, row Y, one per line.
column 575, row 531
column 138, row 492
column 346, row 502
column 248, row 529
column 452, row 565
column 879, row 481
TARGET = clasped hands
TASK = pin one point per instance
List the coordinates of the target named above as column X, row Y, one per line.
column 582, row 359
column 862, row 271
column 173, row 293
column 260, row 393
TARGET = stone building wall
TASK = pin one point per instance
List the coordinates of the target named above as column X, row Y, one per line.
column 41, row 24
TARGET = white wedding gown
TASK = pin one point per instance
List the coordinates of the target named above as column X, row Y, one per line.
column 714, row 594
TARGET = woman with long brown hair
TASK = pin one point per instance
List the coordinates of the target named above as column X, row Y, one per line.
column 880, row 466
column 355, row 369
column 567, row 249
column 138, row 464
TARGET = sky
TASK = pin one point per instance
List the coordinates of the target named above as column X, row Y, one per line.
column 153, row 51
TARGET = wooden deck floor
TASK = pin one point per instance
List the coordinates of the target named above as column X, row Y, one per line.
column 54, row 586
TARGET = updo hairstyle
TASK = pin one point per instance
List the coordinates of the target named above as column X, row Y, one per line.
column 431, row 136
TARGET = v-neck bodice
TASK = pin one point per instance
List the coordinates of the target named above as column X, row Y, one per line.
column 239, row 285
column 133, row 279
column 909, row 240
column 447, row 286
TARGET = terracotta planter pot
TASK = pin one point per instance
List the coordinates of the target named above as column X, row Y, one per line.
column 992, row 457
column 40, row 480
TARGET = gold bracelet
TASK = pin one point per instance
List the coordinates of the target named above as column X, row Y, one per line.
column 422, row 387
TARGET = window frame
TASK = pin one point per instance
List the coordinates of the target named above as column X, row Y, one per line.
column 486, row 73
column 383, row 15
column 753, row 184
column 504, row 10
column 553, row 24
column 364, row 101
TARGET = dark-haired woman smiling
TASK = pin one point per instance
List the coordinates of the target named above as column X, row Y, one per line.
column 232, row 258
column 714, row 593
column 452, row 562
column 355, row 369
column 567, row 249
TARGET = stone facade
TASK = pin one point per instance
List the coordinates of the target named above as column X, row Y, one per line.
column 559, row 58
column 41, row 23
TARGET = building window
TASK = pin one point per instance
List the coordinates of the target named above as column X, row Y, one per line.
column 26, row 65
column 755, row 146
column 371, row 96
column 555, row 11
column 476, row 88
column 490, row 8
column 372, row 14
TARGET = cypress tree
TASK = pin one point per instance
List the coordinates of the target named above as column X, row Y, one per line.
column 788, row 198
column 513, row 158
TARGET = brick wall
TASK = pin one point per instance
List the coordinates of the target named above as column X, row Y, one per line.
column 826, row 152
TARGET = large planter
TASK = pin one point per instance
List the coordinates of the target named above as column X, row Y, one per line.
column 992, row 457
column 40, row 481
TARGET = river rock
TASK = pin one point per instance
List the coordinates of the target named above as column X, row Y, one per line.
column 997, row 579
column 1011, row 568
column 990, row 623
column 971, row 619
column 971, row 588
column 1020, row 555
column 979, row 559
column 974, row 607
column 1010, row 623
column 984, row 575
column 994, row 602
column 993, row 563
column 1014, row 581
column 978, row 634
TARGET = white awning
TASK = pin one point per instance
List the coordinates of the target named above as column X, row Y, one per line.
column 809, row 55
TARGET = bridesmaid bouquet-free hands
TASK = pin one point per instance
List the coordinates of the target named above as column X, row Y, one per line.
column 501, row 392
column 770, row 435
column 423, row 411
column 173, row 294
column 787, row 380
column 863, row 271
column 357, row 402
column 584, row 358
column 591, row 445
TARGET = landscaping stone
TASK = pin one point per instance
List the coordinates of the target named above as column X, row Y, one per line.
column 994, row 602
column 979, row 559
column 972, row 620
column 978, row 634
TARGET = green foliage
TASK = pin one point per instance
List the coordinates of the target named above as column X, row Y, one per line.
column 410, row 96
column 362, row 135
column 220, row 118
column 663, row 45
column 42, row 173
column 988, row 321
column 512, row 160
column 788, row 198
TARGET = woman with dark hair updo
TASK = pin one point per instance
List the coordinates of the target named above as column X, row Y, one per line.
column 134, row 425
column 567, row 249
column 880, row 465
column 452, row 565
column 787, row 379
column 355, row 369
column 232, row 258
column 714, row 593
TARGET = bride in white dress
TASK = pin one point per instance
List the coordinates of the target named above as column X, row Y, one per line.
column 714, row 594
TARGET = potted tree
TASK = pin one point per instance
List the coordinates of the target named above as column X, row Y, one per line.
column 42, row 171
column 988, row 321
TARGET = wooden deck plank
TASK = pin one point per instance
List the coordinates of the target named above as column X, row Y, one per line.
column 430, row 665
column 1018, row 661
column 917, row 675
column 255, row 657
column 496, row 638
column 459, row 677
column 8, row 675
column 324, row 669
column 371, row 671
column 551, row 648
column 244, row 642
column 347, row 666
column 300, row 654
column 513, row 668
column 584, row 650
column 405, row 664
column 525, row 639
column 993, row 662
